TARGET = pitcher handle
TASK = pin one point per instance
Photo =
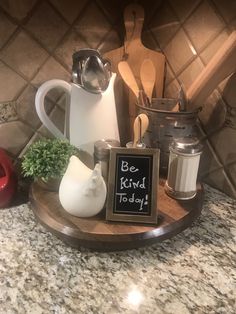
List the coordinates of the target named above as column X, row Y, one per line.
column 39, row 104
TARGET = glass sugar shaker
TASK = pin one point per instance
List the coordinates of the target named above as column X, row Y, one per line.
column 102, row 154
column 183, row 168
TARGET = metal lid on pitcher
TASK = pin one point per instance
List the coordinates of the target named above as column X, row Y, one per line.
column 186, row 146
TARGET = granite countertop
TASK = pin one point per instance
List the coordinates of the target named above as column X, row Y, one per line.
column 194, row 272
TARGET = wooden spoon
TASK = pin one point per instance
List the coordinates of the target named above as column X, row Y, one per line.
column 128, row 77
column 140, row 127
column 148, row 77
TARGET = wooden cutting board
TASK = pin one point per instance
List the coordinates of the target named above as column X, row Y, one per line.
column 220, row 66
column 134, row 52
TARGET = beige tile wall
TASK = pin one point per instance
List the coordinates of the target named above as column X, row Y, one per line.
column 37, row 39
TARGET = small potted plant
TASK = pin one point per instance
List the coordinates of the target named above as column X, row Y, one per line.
column 46, row 160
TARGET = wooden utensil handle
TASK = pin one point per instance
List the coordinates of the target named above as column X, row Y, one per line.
column 128, row 77
column 133, row 20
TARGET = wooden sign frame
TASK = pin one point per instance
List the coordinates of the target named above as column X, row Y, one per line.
column 150, row 186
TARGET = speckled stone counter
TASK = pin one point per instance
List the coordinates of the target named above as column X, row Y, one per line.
column 194, row 272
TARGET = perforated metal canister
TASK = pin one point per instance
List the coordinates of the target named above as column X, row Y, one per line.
column 165, row 125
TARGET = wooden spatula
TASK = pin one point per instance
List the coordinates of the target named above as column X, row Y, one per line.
column 140, row 127
column 148, row 77
column 128, row 77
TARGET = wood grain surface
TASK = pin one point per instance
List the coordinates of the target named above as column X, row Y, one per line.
column 220, row 66
column 98, row 234
column 148, row 77
column 134, row 52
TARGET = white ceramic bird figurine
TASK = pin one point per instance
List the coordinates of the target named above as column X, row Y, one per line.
column 82, row 191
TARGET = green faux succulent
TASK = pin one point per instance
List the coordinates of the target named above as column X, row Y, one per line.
column 48, row 158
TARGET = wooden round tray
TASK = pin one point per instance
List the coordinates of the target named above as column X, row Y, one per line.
column 99, row 234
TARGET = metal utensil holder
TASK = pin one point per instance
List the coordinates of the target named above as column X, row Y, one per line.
column 165, row 125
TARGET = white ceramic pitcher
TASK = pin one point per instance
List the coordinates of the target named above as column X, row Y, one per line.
column 91, row 116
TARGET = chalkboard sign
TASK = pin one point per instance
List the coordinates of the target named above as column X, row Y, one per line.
column 132, row 185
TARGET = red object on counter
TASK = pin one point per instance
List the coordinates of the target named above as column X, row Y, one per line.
column 8, row 179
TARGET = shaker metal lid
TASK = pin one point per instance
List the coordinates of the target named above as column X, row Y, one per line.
column 186, row 145
column 102, row 147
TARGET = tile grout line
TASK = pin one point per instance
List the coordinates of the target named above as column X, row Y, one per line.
column 215, row 154
column 176, row 77
column 176, row 74
column 22, row 27
column 218, row 12
column 52, row 53
column 106, row 15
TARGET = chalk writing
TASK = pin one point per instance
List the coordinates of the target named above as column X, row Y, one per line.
column 126, row 183
column 124, row 198
column 125, row 167
column 132, row 185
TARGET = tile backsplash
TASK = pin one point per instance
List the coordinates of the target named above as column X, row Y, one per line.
column 37, row 39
